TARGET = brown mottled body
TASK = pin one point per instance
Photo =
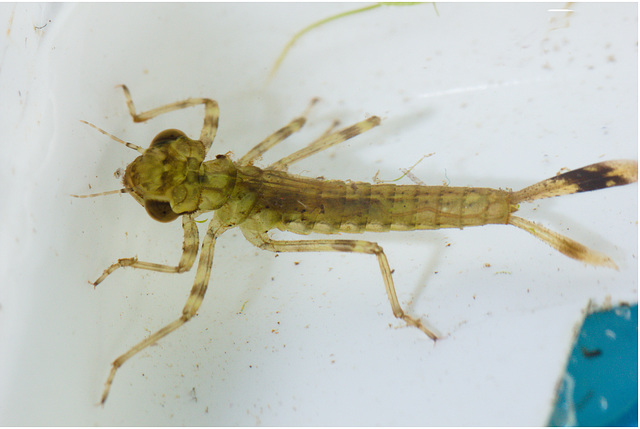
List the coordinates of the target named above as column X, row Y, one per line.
column 303, row 205
column 172, row 179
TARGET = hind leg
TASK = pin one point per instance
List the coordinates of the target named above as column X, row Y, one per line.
column 263, row 241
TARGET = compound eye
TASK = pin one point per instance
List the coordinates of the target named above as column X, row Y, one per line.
column 166, row 136
column 160, row 210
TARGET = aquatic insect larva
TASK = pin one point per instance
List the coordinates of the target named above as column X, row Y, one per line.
column 171, row 179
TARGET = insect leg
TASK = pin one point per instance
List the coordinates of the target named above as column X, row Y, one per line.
column 189, row 252
column 263, row 241
column 326, row 142
column 191, row 307
column 277, row 137
column 211, row 113
column 329, row 130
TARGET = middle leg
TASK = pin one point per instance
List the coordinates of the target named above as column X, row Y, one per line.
column 325, row 142
column 198, row 290
column 277, row 137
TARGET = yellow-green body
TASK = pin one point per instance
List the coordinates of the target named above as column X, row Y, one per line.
column 264, row 200
column 171, row 179
column 172, row 172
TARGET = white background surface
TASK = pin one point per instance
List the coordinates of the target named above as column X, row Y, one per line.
column 504, row 94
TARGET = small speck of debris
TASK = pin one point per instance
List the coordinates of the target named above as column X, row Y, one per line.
column 486, row 265
column 296, row 263
column 35, row 27
column 591, row 353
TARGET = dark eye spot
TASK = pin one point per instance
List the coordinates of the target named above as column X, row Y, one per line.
column 160, row 211
column 166, row 136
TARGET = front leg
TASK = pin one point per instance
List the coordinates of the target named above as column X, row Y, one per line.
column 211, row 114
column 189, row 252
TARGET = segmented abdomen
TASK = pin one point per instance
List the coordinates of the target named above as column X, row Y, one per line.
column 304, row 205
column 407, row 207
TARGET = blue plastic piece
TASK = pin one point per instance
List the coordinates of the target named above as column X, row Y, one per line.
column 600, row 385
